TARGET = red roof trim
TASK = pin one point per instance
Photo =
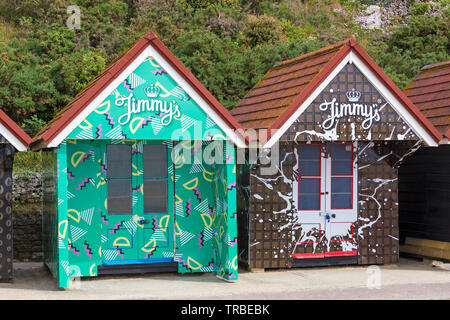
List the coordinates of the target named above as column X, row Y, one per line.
column 118, row 67
column 350, row 45
column 436, row 65
column 313, row 53
column 14, row 129
column 92, row 93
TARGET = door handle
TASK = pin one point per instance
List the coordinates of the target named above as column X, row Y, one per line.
column 141, row 220
column 327, row 216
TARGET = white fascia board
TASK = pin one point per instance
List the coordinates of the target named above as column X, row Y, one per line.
column 12, row 139
column 147, row 52
column 352, row 58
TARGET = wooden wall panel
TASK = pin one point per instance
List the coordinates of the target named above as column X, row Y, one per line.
column 272, row 224
column 424, row 194
column 6, row 206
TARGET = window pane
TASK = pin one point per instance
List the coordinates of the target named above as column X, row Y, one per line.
column 341, row 185
column 310, row 152
column 341, row 201
column 309, row 202
column 155, row 161
column 309, row 160
column 155, row 196
column 341, row 167
column 309, row 194
column 341, row 159
column 119, row 161
column 341, row 193
column 309, row 168
column 119, row 197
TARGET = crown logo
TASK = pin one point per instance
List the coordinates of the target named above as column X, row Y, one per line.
column 152, row 91
column 353, row 96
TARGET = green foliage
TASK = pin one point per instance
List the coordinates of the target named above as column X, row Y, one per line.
column 260, row 30
column 33, row 124
column 92, row 64
column 423, row 40
column 421, row 8
column 25, row 87
column 56, row 42
column 228, row 44
column 27, row 161
column 208, row 3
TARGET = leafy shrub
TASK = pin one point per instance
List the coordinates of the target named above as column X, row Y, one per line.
column 260, row 30
column 227, row 44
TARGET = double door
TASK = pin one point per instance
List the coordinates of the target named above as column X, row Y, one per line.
column 139, row 224
column 326, row 201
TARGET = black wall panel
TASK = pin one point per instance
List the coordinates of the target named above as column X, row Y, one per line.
column 424, row 194
column 6, row 222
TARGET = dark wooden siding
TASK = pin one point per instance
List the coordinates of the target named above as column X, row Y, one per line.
column 424, row 194
column 6, row 219
column 242, row 179
column 271, row 236
column 378, row 202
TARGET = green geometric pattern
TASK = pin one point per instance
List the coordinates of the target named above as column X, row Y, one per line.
column 199, row 229
column 155, row 117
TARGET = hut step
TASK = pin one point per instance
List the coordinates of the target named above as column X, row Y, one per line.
column 426, row 248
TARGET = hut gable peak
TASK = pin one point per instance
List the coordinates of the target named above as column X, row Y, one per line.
column 138, row 97
column 290, row 87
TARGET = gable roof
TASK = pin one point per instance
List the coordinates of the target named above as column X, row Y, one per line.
column 275, row 100
column 52, row 134
column 280, row 86
column 430, row 92
column 13, row 133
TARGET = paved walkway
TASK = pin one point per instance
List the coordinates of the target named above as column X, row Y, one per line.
column 410, row 279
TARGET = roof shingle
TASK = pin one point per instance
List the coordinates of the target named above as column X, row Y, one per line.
column 279, row 87
column 430, row 92
column 282, row 90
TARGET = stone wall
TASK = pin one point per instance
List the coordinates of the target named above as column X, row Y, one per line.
column 27, row 188
column 27, row 216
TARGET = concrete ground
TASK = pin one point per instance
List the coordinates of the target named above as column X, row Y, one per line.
column 410, row 279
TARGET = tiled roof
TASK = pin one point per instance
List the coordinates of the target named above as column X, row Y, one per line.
column 279, row 87
column 430, row 92
column 15, row 130
column 282, row 90
column 96, row 86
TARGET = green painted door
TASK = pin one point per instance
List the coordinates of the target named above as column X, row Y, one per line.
column 157, row 232
column 139, row 203
column 119, row 236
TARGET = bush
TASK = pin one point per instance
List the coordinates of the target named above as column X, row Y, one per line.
column 227, row 44
column 423, row 40
column 260, row 30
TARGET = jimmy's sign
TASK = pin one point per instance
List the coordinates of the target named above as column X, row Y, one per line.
column 168, row 110
column 369, row 112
